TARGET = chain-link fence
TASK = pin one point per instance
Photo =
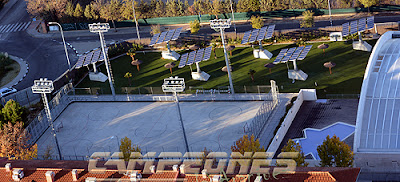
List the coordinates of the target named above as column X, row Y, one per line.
column 260, row 89
column 39, row 125
column 24, row 97
column 264, row 113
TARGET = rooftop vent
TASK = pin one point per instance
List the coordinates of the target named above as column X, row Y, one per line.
column 50, row 176
column 8, row 167
column 17, row 175
column 74, row 175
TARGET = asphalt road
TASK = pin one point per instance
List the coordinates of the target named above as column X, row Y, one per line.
column 128, row 33
column 46, row 58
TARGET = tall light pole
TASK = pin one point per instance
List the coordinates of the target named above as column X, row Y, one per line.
column 100, row 28
column 65, row 47
column 233, row 18
column 134, row 16
column 174, row 85
column 329, row 6
column 222, row 24
column 43, row 86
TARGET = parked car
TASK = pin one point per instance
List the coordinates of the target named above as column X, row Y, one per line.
column 7, row 91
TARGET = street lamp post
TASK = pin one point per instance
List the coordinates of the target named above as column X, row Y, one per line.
column 43, row 86
column 222, row 24
column 233, row 18
column 174, row 85
column 329, row 6
column 101, row 28
column 65, row 47
column 134, row 16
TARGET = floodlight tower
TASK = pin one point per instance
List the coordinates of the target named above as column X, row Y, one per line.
column 222, row 24
column 101, row 28
column 44, row 86
column 174, row 85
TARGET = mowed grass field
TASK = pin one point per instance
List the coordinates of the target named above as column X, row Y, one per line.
column 346, row 77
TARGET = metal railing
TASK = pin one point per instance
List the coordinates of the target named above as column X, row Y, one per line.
column 39, row 125
column 24, row 97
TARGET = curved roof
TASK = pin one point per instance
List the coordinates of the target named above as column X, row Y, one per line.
column 378, row 117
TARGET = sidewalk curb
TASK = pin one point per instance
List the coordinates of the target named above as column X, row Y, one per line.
column 24, row 69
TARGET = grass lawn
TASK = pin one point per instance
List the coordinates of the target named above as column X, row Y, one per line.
column 12, row 71
column 346, row 77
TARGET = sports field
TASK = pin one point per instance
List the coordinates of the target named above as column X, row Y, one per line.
column 155, row 126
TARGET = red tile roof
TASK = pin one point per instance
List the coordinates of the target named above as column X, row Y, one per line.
column 63, row 173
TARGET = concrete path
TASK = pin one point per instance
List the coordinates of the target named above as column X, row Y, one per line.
column 24, row 67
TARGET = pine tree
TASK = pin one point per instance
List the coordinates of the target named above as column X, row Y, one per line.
column 87, row 12
column 160, row 9
column 186, row 7
column 127, row 148
column 78, row 13
column 13, row 112
column 69, row 9
column 180, row 6
column 247, row 144
column 335, row 153
column 171, row 8
column 291, row 146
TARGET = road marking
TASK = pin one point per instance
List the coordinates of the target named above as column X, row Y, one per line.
column 5, row 27
column 1, row 27
column 26, row 26
column 22, row 26
column 10, row 28
column 17, row 27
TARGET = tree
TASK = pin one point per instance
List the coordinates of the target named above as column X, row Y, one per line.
column 13, row 112
column 217, row 8
column 251, row 73
column 78, row 13
column 256, row 22
column 87, row 13
column 248, row 5
column 160, row 9
column 247, row 144
column 194, row 26
column 155, row 29
column 369, row 3
column 129, row 76
column 48, row 153
column 336, row 153
column 308, row 20
column 127, row 148
column 291, row 146
column 112, row 11
column 69, row 9
column 50, row 10
column 171, row 8
column 127, row 11
column 14, row 143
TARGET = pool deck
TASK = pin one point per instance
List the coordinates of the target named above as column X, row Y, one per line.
column 318, row 115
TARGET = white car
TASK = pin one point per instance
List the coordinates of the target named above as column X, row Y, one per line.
column 7, row 91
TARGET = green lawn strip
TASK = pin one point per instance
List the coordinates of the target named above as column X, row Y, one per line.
column 346, row 77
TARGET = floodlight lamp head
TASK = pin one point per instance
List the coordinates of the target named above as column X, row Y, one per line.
column 42, row 86
column 220, row 23
column 173, row 84
column 99, row 27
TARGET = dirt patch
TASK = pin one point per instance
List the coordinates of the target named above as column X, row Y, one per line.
column 13, row 71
